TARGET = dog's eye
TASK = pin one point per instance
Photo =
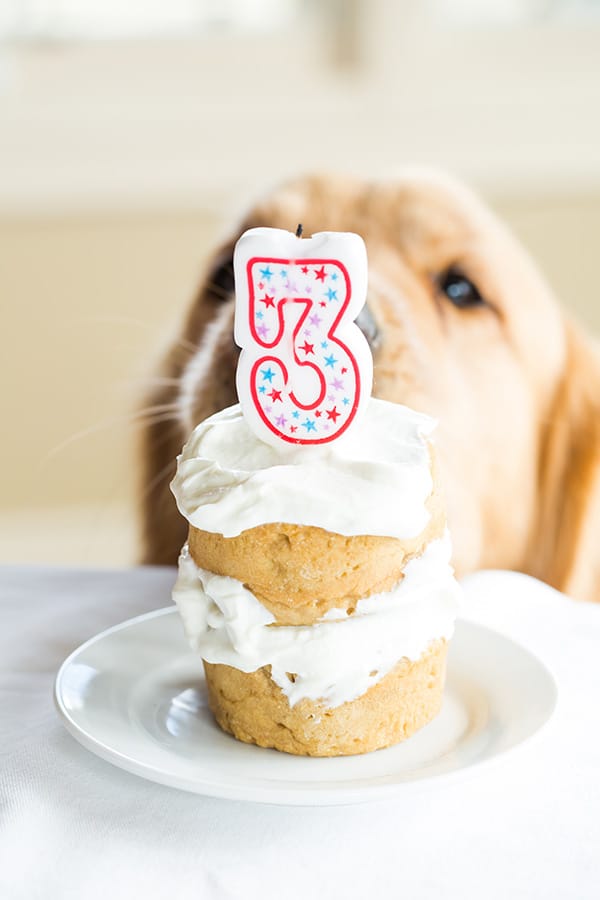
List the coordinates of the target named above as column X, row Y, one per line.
column 459, row 289
column 221, row 281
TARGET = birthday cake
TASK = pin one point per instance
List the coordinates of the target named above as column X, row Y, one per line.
column 316, row 581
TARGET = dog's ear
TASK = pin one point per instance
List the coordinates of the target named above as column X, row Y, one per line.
column 164, row 431
column 568, row 530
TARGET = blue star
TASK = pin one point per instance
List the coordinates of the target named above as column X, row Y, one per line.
column 267, row 374
column 296, row 414
column 283, row 273
column 331, row 295
column 262, row 389
column 346, row 401
column 259, row 315
column 324, row 345
column 330, row 361
column 310, row 425
column 334, row 276
column 266, row 273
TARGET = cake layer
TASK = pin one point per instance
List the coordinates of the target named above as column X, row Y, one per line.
column 300, row 572
column 253, row 708
column 375, row 480
column 340, row 657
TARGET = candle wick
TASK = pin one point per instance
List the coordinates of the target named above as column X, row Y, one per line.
column 299, row 230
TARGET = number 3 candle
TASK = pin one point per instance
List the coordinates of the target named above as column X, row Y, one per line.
column 305, row 371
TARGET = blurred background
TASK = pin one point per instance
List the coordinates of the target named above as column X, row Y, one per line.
column 132, row 134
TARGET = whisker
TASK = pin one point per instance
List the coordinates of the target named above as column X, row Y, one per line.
column 186, row 345
column 150, row 381
column 151, row 415
column 115, row 320
column 147, row 490
column 213, row 288
column 180, row 342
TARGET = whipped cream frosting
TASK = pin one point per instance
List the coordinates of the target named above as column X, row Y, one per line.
column 373, row 480
column 336, row 659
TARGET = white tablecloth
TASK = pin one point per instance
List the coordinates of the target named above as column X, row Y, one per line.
column 73, row 826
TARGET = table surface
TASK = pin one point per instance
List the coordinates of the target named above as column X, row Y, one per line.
column 73, row 826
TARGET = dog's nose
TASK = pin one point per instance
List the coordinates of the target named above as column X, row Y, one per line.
column 367, row 324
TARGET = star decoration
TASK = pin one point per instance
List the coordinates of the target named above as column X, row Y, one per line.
column 262, row 389
column 320, row 273
column 281, row 421
column 275, row 395
column 267, row 374
column 283, row 273
column 333, row 414
column 324, row 345
column 315, row 320
column 337, row 384
column 318, row 414
column 266, row 274
column 305, row 270
column 322, row 303
column 344, row 370
column 309, row 424
column 308, row 348
column 293, row 428
column 296, row 414
column 331, row 295
column 262, row 330
column 330, row 361
column 333, row 276
column 268, row 301
column 346, row 401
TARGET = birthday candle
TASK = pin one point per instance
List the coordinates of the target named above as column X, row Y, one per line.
column 305, row 371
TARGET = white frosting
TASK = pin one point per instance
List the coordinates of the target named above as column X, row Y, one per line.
column 337, row 659
column 373, row 480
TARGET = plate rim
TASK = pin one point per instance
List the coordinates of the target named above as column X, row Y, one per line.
column 307, row 794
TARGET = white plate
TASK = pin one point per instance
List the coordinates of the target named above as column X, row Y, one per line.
column 134, row 695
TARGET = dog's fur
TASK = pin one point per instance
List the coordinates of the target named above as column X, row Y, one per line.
column 514, row 383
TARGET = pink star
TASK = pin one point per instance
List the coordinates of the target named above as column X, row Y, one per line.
column 281, row 421
column 315, row 320
column 337, row 384
column 263, row 330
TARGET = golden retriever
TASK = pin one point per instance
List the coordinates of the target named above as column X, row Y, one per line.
column 463, row 327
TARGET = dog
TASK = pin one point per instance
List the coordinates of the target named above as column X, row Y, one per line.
column 462, row 326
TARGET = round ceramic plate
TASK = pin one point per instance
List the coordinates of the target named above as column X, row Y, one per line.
column 135, row 696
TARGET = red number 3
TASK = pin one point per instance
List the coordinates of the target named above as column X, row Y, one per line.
column 305, row 370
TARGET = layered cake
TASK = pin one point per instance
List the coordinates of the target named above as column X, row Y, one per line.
column 316, row 581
